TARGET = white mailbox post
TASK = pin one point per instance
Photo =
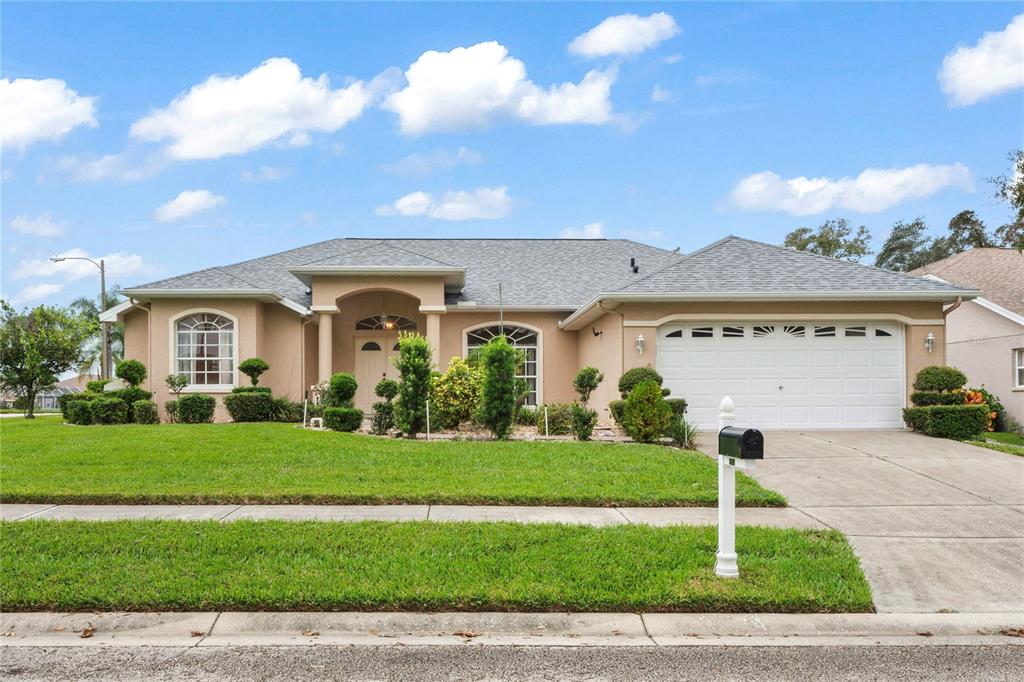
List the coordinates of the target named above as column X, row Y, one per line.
column 725, row 564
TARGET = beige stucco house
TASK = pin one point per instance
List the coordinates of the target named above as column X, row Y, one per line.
column 797, row 340
column 985, row 336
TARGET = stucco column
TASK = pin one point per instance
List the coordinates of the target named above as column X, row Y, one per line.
column 434, row 336
column 325, row 349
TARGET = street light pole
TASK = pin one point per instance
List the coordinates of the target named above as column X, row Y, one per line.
column 105, row 356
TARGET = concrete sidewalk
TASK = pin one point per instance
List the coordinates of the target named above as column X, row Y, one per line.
column 186, row 630
column 591, row 516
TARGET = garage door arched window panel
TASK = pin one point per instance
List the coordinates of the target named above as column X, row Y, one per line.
column 779, row 331
column 522, row 338
column 205, row 349
column 376, row 323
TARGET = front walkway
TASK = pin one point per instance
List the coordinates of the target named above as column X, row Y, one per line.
column 938, row 525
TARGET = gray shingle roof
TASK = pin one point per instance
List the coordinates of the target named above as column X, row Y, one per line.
column 736, row 265
column 564, row 273
column 998, row 273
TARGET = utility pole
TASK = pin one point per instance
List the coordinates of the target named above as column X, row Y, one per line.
column 105, row 356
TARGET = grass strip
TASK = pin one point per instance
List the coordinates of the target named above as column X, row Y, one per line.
column 47, row 461
column 418, row 566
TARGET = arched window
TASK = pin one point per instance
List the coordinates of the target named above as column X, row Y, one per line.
column 371, row 345
column 205, row 349
column 386, row 322
column 522, row 338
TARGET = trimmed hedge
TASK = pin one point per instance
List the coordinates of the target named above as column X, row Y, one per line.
column 343, row 418
column 936, row 378
column 196, row 408
column 250, row 406
column 341, row 391
column 96, row 386
column 618, row 409
column 251, row 389
column 108, row 411
column 647, row 415
column 926, row 398
column 79, row 412
column 959, row 422
column 132, row 372
column 130, row 396
column 677, row 405
column 64, row 402
column 144, row 412
column 636, row 376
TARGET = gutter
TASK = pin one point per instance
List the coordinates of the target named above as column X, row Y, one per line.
column 267, row 295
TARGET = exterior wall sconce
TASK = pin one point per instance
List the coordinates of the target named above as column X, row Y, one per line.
column 929, row 342
column 640, row 343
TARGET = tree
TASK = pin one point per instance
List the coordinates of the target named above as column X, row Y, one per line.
column 499, row 395
column 832, row 239
column 87, row 309
column 413, row 363
column 253, row 368
column 967, row 231
column 1010, row 189
column 908, row 248
column 36, row 347
column 586, row 382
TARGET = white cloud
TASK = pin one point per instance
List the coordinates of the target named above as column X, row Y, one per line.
column 33, row 110
column 187, row 204
column 226, row 115
column 42, row 226
column 625, row 34
column 116, row 264
column 263, row 174
column 875, row 189
column 995, row 65
column 470, row 87
column 112, row 167
column 483, row 203
column 439, row 159
column 659, row 94
column 588, row 231
column 674, row 58
column 34, row 292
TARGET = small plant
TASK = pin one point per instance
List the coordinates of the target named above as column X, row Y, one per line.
column 583, row 421
column 176, row 383
column 196, row 408
column 383, row 419
column 646, row 415
column 617, row 407
column 286, row 410
column 132, row 372
column 109, row 411
column 96, row 386
column 413, row 365
column 145, row 412
column 559, row 419
column 171, row 408
column 455, row 395
column 498, row 407
column 253, row 368
column 998, row 419
column 341, row 390
column 682, row 432
column 586, row 382
column 343, row 418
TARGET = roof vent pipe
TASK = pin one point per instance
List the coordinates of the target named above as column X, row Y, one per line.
column 633, row 266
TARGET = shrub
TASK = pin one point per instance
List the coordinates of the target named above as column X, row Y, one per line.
column 959, row 422
column 498, row 399
column 176, row 383
column 998, row 419
column 383, row 419
column 586, row 382
column 130, row 396
column 64, row 401
column 413, row 365
column 251, row 389
column 646, row 415
column 250, row 407
column 682, row 432
column 925, row 398
column 559, row 416
column 171, row 408
column 455, row 395
column 938, row 378
column 144, row 412
column 342, row 418
column 617, row 407
column 285, row 410
column 341, row 390
column 636, row 376
column 677, row 405
column 196, row 408
column 96, row 386
column 20, row 403
column 530, row 416
column 253, row 368
column 583, row 422
column 79, row 412
column 386, row 389
column 132, row 372
column 109, row 411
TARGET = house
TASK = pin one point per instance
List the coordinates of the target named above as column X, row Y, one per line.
column 45, row 399
column 985, row 336
column 797, row 340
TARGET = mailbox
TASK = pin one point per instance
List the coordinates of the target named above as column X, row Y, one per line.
column 741, row 443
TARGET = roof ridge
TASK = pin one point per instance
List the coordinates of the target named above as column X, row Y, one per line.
column 338, row 253
column 682, row 258
column 421, row 255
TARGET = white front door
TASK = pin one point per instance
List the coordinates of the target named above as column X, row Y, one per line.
column 787, row 375
column 373, row 362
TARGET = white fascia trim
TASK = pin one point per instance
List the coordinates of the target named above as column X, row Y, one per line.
column 492, row 308
column 454, row 276
column 111, row 314
column 433, row 309
column 267, row 295
column 795, row 317
column 682, row 297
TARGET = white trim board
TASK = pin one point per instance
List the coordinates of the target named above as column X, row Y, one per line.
column 724, row 317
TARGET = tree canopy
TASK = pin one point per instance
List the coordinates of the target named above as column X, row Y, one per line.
column 833, row 239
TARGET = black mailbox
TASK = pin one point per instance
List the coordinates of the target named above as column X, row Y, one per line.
column 741, row 443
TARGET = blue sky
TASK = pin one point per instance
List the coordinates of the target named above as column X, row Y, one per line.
column 693, row 124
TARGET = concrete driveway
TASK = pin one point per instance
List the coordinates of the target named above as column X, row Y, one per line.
column 938, row 525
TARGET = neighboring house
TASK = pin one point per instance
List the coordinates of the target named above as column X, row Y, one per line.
column 985, row 336
column 78, row 381
column 45, row 400
column 797, row 340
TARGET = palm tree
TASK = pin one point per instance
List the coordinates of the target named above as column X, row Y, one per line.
column 87, row 309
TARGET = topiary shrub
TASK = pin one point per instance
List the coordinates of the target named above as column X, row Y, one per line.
column 383, row 419
column 196, row 408
column 959, row 422
column 413, row 365
column 340, row 390
column 250, row 407
column 132, row 372
column 583, row 421
column 646, row 415
column 251, row 389
column 386, row 389
column 130, row 396
column 677, row 405
column 64, row 402
column 108, row 411
column 636, row 376
column 936, row 378
column 79, row 412
column 559, row 419
column 171, row 408
column 145, row 412
column 617, row 407
column 342, row 418
column 498, row 399
column 253, row 368
column 925, row 398
column 586, row 382
column 455, row 395
column 96, row 386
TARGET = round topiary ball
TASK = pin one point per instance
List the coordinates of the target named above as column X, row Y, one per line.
column 632, row 378
column 343, row 389
column 131, row 371
column 386, row 389
column 937, row 378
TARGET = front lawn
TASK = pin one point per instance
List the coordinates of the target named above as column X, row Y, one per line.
column 1010, row 443
column 419, row 566
column 47, row 461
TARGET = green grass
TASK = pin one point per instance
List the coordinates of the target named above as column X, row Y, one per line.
column 11, row 410
column 1010, row 443
column 47, row 461
column 420, row 566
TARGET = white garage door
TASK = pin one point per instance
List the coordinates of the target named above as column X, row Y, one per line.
column 787, row 375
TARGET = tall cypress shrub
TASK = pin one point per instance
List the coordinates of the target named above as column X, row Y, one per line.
column 413, row 365
column 498, row 404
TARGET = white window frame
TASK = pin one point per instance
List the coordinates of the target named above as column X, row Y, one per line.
column 512, row 323
column 1018, row 369
column 173, row 351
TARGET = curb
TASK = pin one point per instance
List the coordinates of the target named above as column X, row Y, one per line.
column 184, row 630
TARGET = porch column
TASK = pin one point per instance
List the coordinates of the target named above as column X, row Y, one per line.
column 434, row 337
column 325, row 348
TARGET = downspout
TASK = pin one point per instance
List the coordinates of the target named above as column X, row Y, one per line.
column 622, row 336
column 947, row 311
column 302, row 355
column 149, row 338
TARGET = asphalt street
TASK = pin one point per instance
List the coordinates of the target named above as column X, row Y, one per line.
column 705, row 663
